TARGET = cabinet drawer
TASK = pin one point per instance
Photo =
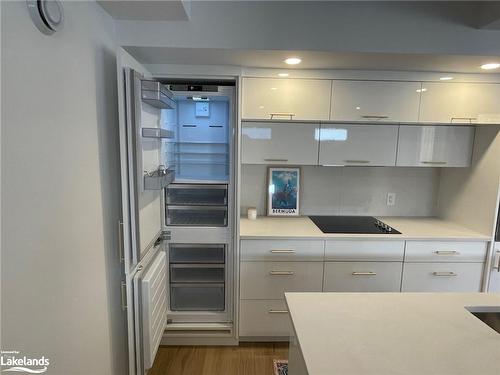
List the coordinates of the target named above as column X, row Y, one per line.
column 348, row 250
column 264, row 318
column 270, row 280
column 445, row 251
column 282, row 250
column 362, row 276
column 442, row 277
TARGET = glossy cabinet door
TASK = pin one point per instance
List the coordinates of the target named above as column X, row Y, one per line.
column 359, row 145
column 435, row 146
column 286, row 99
column 460, row 103
column 279, row 143
column 375, row 101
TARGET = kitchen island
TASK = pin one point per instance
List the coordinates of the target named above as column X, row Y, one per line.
column 392, row 333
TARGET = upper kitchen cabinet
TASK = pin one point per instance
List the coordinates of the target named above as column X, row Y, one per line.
column 283, row 143
column 454, row 103
column 360, row 145
column 383, row 101
column 435, row 146
column 286, row 99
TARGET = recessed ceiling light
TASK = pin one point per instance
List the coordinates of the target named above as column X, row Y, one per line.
column 490, row 66
column 446, row 78
column 274, row 88
column 283, row 74
column 293, row 61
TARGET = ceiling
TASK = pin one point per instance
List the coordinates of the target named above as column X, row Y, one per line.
column 145, row 10
column 311, row 59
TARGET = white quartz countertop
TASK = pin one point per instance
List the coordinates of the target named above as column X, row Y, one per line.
column 411, row 228
column 394, row 333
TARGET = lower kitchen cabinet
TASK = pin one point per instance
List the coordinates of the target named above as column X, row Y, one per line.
column 270, row 280
column 442, row 277
column 264, row 318
column 362, row 276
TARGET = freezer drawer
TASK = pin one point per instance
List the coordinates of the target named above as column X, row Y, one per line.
column 197, row 253
column 197, row 273
column 196, row 195
column 192, row 297
column 200, row 216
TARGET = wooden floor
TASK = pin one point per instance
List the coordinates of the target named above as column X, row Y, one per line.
column 246, row 359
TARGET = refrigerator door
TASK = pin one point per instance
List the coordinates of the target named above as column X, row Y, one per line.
column 144, row 174
column 494, row 283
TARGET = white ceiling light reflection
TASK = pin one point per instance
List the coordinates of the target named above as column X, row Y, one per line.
column 257, row 133
column 331, row 134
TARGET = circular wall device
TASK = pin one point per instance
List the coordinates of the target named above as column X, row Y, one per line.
column 47, row 15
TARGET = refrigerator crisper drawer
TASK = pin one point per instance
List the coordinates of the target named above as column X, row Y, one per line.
column 197, row 273
column 192, row 297
column 197, row 253
column 197, row 195
column 198, row 216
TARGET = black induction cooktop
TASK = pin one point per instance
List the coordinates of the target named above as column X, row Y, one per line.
column 352, row 224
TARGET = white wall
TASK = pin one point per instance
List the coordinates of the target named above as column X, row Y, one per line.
column 350, row 190
column 61, row 192
column 469, row 195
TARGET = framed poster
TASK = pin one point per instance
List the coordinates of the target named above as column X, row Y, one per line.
column 283, row 190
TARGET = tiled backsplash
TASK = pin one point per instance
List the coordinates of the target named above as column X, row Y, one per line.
column 351, row 190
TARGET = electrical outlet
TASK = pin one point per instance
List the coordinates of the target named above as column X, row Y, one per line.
column 391, row 199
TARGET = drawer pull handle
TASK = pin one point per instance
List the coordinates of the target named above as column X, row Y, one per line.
column 282, row 251
column 281, row 273
column 276, row 160
column 364, row 273
column 444, row 274
column 447, row 252
column 278, row 311
column 282, row 114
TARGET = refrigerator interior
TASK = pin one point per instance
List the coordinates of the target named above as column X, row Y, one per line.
column 200, row 149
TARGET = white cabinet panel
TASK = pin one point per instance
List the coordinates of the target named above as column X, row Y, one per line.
column 363, row 250
column 442, row 277
column 296, row 99
column 362, row 276
column 375, row 101
column 283, row 143
column 282, row 250
column 261, row 318
column 460, row 103
column 270, row 280
column 447, row 251
column 435, row 146
column 373, row 145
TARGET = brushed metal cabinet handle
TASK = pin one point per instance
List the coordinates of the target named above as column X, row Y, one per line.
column 281, row 251
column 278, row 311
column 470, row 119
column 281, row 273
column 444, row 273
column 434, row 162
column 447, row 252
column 374, row 116
column 281, row 114
column 276, row 160
column 364, row 273
column 357, row 161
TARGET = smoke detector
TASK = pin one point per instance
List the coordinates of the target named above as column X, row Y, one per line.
column 47, row 15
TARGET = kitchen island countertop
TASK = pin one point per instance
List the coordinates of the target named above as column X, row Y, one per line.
column 392, row 333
